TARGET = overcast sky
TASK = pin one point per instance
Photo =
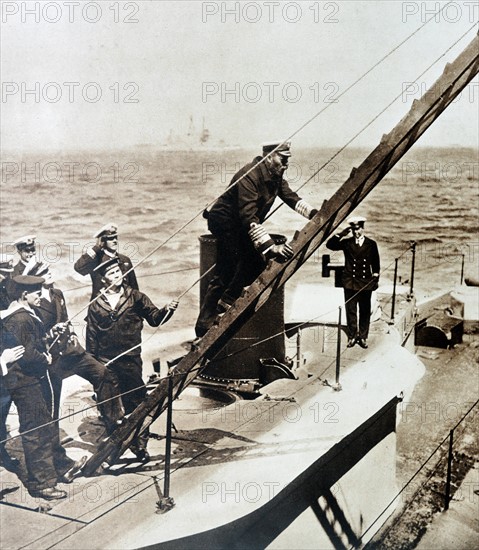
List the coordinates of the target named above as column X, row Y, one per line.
column 140, row 69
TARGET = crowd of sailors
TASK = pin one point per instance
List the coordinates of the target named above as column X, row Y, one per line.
column 40, row 349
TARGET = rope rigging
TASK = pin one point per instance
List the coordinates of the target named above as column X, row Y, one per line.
column 341, row 149
column 186, row 224
column 237, row 352
column 204, row 274
column 273, row 151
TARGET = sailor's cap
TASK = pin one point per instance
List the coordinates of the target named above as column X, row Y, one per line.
column 30, row 283
column 108, row 230
column 107, row 264
column 357, row 220
column 28, row 241
column 6, row 263
column 282, row 147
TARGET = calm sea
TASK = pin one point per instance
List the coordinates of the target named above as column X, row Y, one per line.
column 430, row 197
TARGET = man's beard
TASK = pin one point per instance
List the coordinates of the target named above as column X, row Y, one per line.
column 277, row 170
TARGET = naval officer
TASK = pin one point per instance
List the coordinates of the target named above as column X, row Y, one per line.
column 242, row 243
column 360, row 277
column 26, row 248
column 105, row 248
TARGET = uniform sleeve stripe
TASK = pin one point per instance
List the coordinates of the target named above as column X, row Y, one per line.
column 303, row 208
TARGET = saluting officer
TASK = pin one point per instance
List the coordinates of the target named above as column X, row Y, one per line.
column 105, row 248
column 26, row 248
column 360, row 277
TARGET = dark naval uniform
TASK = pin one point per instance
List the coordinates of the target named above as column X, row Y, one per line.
column 26, row 247
column 69, row 360
column 6, row 341
column 5, row 398
column 111, row 332
column 85, row 265
column 358, row 281
column 29, row 385
column 238, row 262
column 19, row 268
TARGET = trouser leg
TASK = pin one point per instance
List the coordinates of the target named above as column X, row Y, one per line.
column 128, row 372
column 207, row 313
column 52, row 392
column 38, row 431
column 227, row 254
column 5, row 402
column 351, row 306
column 106, row 385
column 364, row 313
column 248, row 265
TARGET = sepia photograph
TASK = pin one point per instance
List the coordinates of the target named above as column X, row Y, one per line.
column 239, row 275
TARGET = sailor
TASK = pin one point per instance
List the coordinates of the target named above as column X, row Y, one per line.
column 360, row 277
column 6, row 269
column 105, row 248
column 114, row 325
column 69, row 357
column 29, row 385
column 7, row 358
column 26, row 248
column 10, row 353
column 243, row 245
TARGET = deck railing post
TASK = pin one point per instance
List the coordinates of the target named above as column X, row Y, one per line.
column 447, row 495
column 169, row 422
column 298, row 348
column 393, row 303
column 166, row 502
column 338, row 347
column 462, row 268
column 413, row 262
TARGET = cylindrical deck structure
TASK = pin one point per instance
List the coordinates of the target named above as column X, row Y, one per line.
column 260, row 338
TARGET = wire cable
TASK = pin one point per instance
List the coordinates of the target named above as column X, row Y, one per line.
column 341, row 149
column 415, row 474
column 269, row 155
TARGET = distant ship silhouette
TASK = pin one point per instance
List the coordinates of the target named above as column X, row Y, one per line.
column 191, row 140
